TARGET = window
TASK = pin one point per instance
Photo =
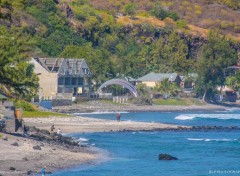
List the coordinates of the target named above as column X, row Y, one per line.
column 60, row 81
column 80, row 81
column 67, row 81
column 74, row 81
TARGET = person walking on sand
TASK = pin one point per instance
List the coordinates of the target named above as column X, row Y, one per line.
column 43, row 170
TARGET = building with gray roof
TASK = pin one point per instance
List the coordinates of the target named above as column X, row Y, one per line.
column 62, row 78
column 151, row 78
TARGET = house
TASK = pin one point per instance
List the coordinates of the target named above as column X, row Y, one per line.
column 62, row 78
column 152, row 78
column 188, row 82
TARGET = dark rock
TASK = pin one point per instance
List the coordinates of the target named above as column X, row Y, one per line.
column 29, row 172
column 46, row 132
column 42, row 145
column 12, row 168
column 33, row 129
column 167, row 157
column 37, row 147
column 15, row 144
column 25, row 159
column 5, row 138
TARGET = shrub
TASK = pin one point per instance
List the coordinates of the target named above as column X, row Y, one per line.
column 26, row 106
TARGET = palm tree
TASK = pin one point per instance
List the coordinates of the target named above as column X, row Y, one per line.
column 166, row 87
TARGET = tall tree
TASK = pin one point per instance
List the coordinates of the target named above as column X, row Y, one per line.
column 17, row 78
column 215, row 56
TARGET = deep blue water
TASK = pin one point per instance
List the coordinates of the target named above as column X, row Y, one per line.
column 136, row 153
column 229, row 117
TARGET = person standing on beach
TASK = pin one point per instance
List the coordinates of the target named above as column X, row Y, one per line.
column 52, row 128
column 118, row 116
column 43, row 170
column 58, row 131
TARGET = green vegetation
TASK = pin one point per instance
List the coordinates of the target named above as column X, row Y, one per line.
column 168, row 36
column 166, row 88
column 216, row 55
column 34, row 114
column 1, row 135
column 177, row 102
column 25, row 105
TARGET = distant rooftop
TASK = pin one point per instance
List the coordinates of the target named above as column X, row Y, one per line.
column 155, row 77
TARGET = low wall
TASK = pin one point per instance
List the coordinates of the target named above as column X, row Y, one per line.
column 61, row 102
column 120, row 99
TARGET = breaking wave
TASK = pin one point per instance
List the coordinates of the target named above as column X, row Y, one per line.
column 208, row 116
column 209, row 140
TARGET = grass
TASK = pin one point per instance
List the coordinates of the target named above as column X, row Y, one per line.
column 178, row 102
column 1, row 135
column 34, row 114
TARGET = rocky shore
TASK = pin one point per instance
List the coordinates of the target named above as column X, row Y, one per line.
column 27, row 154
column 99, row 106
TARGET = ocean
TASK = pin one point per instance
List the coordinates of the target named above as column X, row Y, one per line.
column 136, row 153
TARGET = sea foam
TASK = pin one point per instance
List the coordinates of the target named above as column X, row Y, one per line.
column 208, row 116
column 209, row 140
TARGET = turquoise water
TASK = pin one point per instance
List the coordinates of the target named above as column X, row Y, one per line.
column 136, row 153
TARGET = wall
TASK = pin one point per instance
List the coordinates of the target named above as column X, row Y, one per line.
column 47, row 81
column 149, row 84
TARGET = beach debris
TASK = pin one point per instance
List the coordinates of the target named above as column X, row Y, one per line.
column 37, row 147
column 167, row 157
column 15, row 144
column 12, row 168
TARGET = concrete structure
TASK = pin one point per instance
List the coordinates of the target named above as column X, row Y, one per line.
column 62, row 78
column 151, row 79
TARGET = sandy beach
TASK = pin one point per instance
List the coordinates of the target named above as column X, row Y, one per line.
column 22, row 159
column 83, row 124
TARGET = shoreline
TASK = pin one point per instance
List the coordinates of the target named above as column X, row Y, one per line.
column 96, row 106
column 26, row 155
column 56, row 156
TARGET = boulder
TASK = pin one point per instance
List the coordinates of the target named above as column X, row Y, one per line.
column 15, row 144
column 46, row 132
column 12, row 168
column 5, row 138
column 167, row 157
column 37, row 147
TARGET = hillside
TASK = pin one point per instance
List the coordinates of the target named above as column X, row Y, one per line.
column 121, row 37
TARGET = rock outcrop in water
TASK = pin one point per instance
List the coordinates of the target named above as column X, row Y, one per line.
column 166, row 157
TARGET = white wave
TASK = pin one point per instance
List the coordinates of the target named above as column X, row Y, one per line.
column 80, row 140
column 209, row 116
column 233, row 109
column 101, row 112
column 208, row 140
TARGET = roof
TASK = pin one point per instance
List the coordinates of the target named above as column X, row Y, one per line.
column 2, row 97
column 190, row 75
column 155, row 77
column 65, row 66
